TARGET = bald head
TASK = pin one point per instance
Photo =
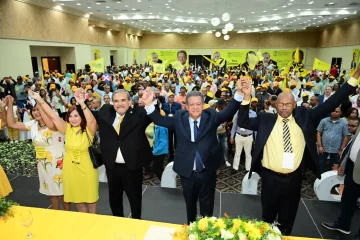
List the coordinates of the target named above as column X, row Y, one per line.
column 285, row 104
column 96, row 103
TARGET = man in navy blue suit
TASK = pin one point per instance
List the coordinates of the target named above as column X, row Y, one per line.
column 198, row 153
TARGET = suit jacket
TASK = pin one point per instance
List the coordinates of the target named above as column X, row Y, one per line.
column 132, row 140
column 207, row 99
column 306, row 119
column 174, row 107
column 345, row 157
column 206, row 143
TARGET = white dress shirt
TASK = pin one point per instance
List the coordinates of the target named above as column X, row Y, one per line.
column 102, row 94
column 119, row 156
column 355, row 149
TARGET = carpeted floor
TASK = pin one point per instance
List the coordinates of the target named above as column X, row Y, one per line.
column 19, row 158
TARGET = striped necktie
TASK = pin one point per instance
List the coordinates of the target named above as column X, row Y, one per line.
column 286, row 137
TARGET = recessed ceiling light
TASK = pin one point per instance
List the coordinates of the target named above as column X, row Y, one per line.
column 98, row 3
column 133, row 9
column 126, row 5
column 264, row 11
column 108, row 14
column 317, row 26
column 62, row 4
column 189, row 12
column 91, row 13
column 328, row 23
column 109, row 18
column 119, row 2
column 311, row 2
column 260, row 24
column 345, row 18
column 78, row 4
column 107, row 7
column 150, row 13
column 275, row 9
column 166, row 4
column 173, row 9
column 299, row 9
column 200, row 13
column 132, row 22
column 168, row 7
column 289, row 4
column 284, row 6
column 288, row 12
column 331, row 3
column 89, row 7
column 252, row 12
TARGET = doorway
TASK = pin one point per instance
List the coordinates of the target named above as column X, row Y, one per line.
column 50, row 64
column 199, row 59
column 35, row 65
column 112, row 60
column 70, row 68
column 337, row 61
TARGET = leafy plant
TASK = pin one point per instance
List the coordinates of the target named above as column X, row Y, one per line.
column 5, row 208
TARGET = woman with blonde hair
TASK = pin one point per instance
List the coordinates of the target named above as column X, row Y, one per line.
column 81, row 184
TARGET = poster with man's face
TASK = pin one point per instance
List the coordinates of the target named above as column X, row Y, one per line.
column 182, row 57
column 169, row 57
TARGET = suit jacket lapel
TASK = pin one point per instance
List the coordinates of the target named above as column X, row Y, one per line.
column 186, row 124
column 203, row 125
column 111, row 118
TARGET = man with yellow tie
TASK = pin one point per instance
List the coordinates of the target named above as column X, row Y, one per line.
column 125, row 151
column 285, row 144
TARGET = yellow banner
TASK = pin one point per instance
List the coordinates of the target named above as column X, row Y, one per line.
column 135, row 57
column 320, row 65
column 96, row 54
column 355, row 58
column 160, row 56
column 230, row 57
column 97, row 65
column 282, row 57
column 177, row 65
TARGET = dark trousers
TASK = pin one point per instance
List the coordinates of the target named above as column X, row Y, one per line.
column 158, row 165
column 199, row 187
column 280, row 197
column 323, row 158
column 172, row 144
column 121, row 179
column 349, row 197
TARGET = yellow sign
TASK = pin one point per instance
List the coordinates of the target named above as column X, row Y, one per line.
column 320, row 65
column 160, row 56
column 230, row 57
column 134, row 57
column 159, row 68
column 97, row 65
column 355, row 60
column 96, row 54
column 282, row 57
column 177, row 65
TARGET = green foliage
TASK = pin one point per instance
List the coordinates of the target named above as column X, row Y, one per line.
column 5, row 208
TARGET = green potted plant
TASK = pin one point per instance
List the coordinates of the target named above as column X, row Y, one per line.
column 5, row 208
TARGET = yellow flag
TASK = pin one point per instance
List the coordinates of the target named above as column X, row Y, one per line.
column 252, row 60
column 287, row 68
column 211, row 61
column 259, row 55
column 159, row 68
column 177, row 65
column 97, row 65
column 320, row 65
column 297, row 56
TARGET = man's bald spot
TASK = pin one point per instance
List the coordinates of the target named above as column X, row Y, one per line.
column 96, row 100
column 286, row 96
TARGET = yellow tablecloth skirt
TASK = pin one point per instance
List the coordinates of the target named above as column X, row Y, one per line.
column 5, row 187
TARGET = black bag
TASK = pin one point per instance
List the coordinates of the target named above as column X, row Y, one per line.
column 95, row 153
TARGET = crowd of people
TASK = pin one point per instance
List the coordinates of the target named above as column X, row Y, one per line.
column 197, row 116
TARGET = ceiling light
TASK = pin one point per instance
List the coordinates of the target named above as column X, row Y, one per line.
column 126, row 5
column 225, row 17
column 288, row 12
column 90, row 12
column 173, row 9
column 107, row 7
column 168, row 7
column 226, row 37
column 78, row 4
column 224, row 31
column 133, row 9
column 284, row 6
column 328, row 23
column 317, row 26
column 275, row 9
column 89, row 7
column 345, row 18
column 289, row 4
column 264, row 11
column 261, row 24
column 229, row 27
column 252, row 12
column 311, row 2
column 331, row 3
column 189, row 12
column 62, row 4
column 109, row 18
column 98, row 3
column 150, row 13
column 108, row 14
column 166, row 4
column 119, row 2
column 215, row 21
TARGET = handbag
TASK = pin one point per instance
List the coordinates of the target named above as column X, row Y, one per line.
column 95, row 152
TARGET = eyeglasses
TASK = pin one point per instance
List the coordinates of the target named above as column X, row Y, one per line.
column 288, row 105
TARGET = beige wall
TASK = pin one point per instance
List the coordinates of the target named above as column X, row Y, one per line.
column 30, row 22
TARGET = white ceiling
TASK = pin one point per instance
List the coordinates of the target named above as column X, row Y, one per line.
column 194, row 16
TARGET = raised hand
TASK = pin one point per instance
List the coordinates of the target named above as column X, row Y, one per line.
column 148, row 96
column 4, row 102
column 79, row 96
column 34, row 95
column 244, row 86
column 10, row 100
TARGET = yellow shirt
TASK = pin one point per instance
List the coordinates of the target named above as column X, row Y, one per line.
column 127, row 86
column 274, row 147
column 96, row 95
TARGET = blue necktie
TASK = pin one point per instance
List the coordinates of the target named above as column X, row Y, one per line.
column 198, row 162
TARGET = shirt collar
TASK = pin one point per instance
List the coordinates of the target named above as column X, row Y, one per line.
column 280, row 119
column 118, row 115
column 192, row 120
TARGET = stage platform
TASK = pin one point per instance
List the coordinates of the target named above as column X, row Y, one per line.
column 167, row 205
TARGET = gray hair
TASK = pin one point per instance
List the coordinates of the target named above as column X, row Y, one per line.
column 194, row 94
column 121, row 91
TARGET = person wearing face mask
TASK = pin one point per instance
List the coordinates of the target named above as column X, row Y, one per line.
column 81, row 180
column 49, row 148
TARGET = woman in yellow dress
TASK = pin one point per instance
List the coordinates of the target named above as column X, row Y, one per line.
column 5, row 187
column 81, row 180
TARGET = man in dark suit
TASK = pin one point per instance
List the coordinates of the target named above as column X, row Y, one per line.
column 285, row 144
column 198, row 153
column 350, row 167
column 125, row 150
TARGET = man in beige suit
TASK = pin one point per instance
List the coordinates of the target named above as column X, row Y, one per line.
column 350, row 167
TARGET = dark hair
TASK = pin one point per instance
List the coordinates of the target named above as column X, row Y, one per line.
column 182, row 51
column 183, row 88
column 349, row 111
column 345, row 105
column 31, row 107
column 72, row 100
column 354, row 119
column 81, row 114
column 90, row 89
